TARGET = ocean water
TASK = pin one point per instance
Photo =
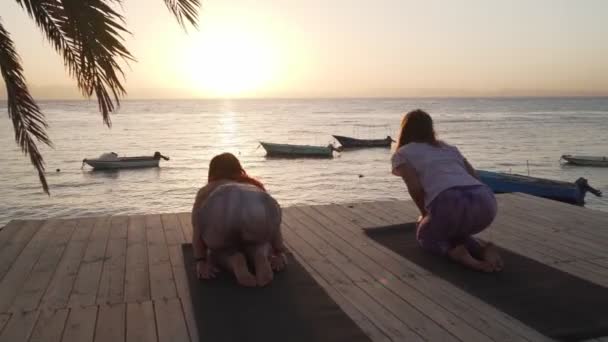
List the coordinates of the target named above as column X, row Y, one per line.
column 518, row 135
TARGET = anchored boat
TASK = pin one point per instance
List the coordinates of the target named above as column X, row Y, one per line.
column 573, row 193
column 585, row 160
column 348, row 142
column 293, row 151
column 111, row 161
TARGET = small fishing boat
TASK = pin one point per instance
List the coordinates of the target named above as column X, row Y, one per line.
column 348, row 142
column 585, row 160
column 573, row 193
column 111, row 161
column 288, row 150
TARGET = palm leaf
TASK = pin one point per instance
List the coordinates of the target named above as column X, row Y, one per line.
column 184, row 10
column 28, row 121
column 88, row 34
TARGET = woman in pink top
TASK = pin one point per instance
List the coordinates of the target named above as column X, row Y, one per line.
column 453, row 203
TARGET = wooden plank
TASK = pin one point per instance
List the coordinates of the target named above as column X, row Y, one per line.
column 15, row 245
column 172, row 229
column 523, row 239
column 477, row 313
column 119, row 227
column 183, row 292
column 576, row 221
column 174, row 237
column 382, row 318
column 393, row 273
column 581, row 212
column 501, row 230
column 162, row 284
column 137, row 279
column 141, row 325
column 8, row 231
column 23, row 265
column 398, row 291
column 86, row 284
column 554, row 230
column 33, row 288
column 170, row 321
column 19, row 327
column 368, row 327
column 506, row 233
column 186, row 223
column 80, row 326
column 50, row 325
column 586, row 270
column 111, row 323
column 58, row 291
column 112, row 283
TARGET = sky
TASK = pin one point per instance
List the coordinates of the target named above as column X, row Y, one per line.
column 346, row 48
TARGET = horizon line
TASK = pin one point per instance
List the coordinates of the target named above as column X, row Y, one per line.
column 330, row 97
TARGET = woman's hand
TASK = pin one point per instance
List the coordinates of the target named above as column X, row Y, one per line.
column 278, row 261
column 205, row 269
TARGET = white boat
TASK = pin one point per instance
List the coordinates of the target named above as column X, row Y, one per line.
column 111, row 161
column 586, row 160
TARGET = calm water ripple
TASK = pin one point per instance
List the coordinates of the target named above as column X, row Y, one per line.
column 495, row 134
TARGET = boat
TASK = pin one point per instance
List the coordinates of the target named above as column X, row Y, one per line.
column 573, row 193
column 289, row 150
column 585, row 160
column 348, row 142
column 111, row 161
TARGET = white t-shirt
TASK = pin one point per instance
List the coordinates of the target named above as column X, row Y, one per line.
column 438, row 167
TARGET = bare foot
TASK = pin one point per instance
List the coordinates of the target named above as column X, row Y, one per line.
column 263, row 271
column 238, row 264
column 490, row 254
column 461, row 255
column 278, row 262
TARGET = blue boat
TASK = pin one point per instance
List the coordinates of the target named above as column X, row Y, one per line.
column 573, row 193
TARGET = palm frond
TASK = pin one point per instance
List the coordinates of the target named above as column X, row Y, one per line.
column 184, row 10
column 88, row 35
column 28, row 121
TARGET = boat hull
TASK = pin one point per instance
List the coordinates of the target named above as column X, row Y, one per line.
column 295, row 151
column 121, row 163
column 348, row 142
column 586, row 161
column 555, row 190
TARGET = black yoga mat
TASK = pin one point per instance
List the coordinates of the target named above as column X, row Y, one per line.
column 292, row 308
column 553, row 302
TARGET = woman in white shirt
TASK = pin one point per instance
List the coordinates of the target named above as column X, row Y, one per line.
column 453, row 203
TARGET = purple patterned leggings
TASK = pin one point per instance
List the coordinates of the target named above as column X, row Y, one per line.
column 454, row 216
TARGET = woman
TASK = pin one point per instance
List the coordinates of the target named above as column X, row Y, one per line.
column 453, row 203
column 235, row 221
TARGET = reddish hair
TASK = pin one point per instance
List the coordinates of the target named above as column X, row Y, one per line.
column 226, row 166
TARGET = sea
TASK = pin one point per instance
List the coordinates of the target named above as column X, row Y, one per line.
column 515, row 135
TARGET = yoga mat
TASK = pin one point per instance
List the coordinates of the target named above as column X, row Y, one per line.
column 555, row 303
column 292, row 308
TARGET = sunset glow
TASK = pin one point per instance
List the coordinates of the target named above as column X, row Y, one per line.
column 228, row 62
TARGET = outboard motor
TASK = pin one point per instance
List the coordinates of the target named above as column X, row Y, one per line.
column 157, row 156
column 584, row 186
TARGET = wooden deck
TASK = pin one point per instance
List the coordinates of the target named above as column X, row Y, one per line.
column 123, row 279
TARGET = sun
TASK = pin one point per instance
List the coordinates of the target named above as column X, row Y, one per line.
column 231, row 63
